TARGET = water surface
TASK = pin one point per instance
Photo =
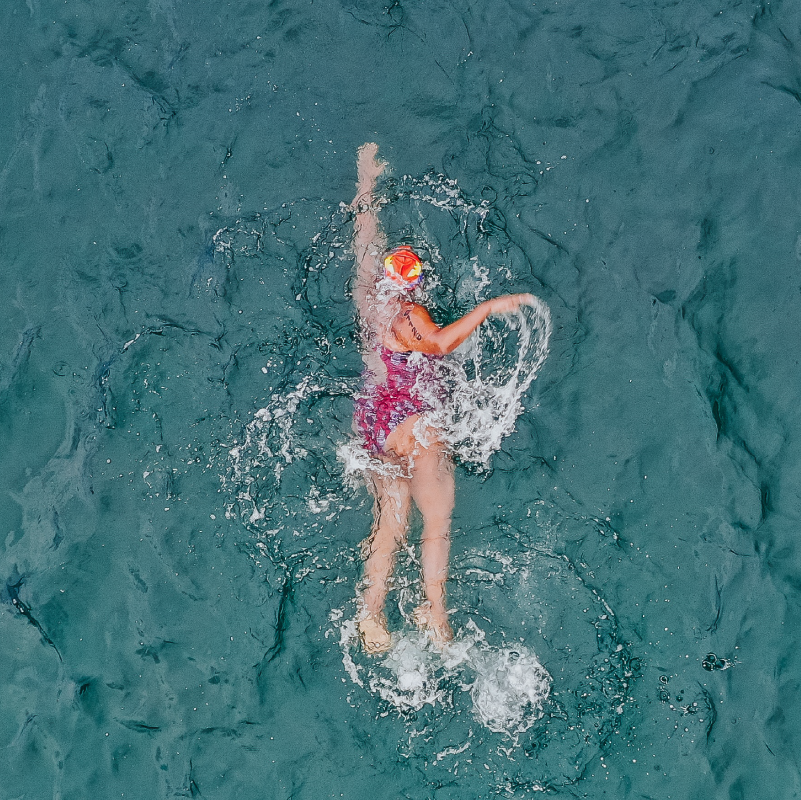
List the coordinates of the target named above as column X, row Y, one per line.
column 175, row 260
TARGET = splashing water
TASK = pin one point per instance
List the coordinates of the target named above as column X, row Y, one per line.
column 477, row 392
column 479, row 411
column 287, row 462
column 508, row 686
column 268, row 445
column 484, row 702
column 510, row 689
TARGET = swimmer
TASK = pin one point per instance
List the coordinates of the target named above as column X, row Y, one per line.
column 388, row 411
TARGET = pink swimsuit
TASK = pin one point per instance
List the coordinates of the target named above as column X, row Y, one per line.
column 380, row 409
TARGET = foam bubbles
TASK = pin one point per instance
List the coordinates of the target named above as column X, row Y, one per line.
column 486, row 380
column 476, row 702
column 507, row 686
column 509, row 690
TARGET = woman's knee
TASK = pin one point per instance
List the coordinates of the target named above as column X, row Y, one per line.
column 393, row 517
column 439, row 531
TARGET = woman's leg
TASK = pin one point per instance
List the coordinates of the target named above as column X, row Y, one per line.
column 390, row 520
column 433, row 492
column 432, row 488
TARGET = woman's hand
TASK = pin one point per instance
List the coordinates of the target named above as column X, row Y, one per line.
column 368, row 168
column 508, row 302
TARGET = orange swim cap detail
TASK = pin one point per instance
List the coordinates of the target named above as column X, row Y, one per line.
column 403, row 266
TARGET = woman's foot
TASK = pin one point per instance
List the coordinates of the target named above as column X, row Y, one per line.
column 374, row 634
column 435, row 624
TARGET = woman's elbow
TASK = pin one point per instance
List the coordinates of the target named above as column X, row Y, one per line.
column 440, row 347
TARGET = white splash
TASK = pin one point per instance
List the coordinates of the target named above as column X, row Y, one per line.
column 357, row 461
column 478, row 412
column 509, row 689
column 507, row 685
column 410, row 680
column 476, row 393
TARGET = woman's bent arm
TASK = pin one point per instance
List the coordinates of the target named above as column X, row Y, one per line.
column 415, row 330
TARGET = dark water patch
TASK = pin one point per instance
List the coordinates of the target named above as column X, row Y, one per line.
column 137, row 726
column 19, row 358
column 11, row 594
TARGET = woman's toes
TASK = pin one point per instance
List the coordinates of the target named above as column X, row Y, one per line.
column 434, row 624
column 374, row 635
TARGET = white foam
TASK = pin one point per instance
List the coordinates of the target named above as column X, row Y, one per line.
column 473, row 414
column 478, row 412
column 510, row 688
column 507, row 685
column 356, row 460
column 410, row 679
column 347, row 636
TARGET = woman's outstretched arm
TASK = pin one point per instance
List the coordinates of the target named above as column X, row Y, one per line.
column 369, row 242
column 415, row 330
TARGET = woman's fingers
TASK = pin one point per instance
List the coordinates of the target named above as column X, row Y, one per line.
column 511, row 302
column 521, row 299
column 368, row 167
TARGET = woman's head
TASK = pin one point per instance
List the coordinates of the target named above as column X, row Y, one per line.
column 403, row 267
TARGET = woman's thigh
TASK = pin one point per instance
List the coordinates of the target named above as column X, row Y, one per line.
column 403, row 442
column 432, row 485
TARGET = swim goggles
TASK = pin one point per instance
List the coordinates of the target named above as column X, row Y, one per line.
column 403, row 266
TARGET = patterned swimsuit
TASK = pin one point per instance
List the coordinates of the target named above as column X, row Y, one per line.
column 380, row 409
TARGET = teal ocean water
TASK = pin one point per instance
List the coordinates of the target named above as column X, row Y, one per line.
column 180, row 543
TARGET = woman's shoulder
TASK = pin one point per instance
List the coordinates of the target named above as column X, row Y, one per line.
column 409, row 309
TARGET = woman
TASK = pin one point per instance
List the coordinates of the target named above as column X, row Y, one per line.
column 390, row 414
